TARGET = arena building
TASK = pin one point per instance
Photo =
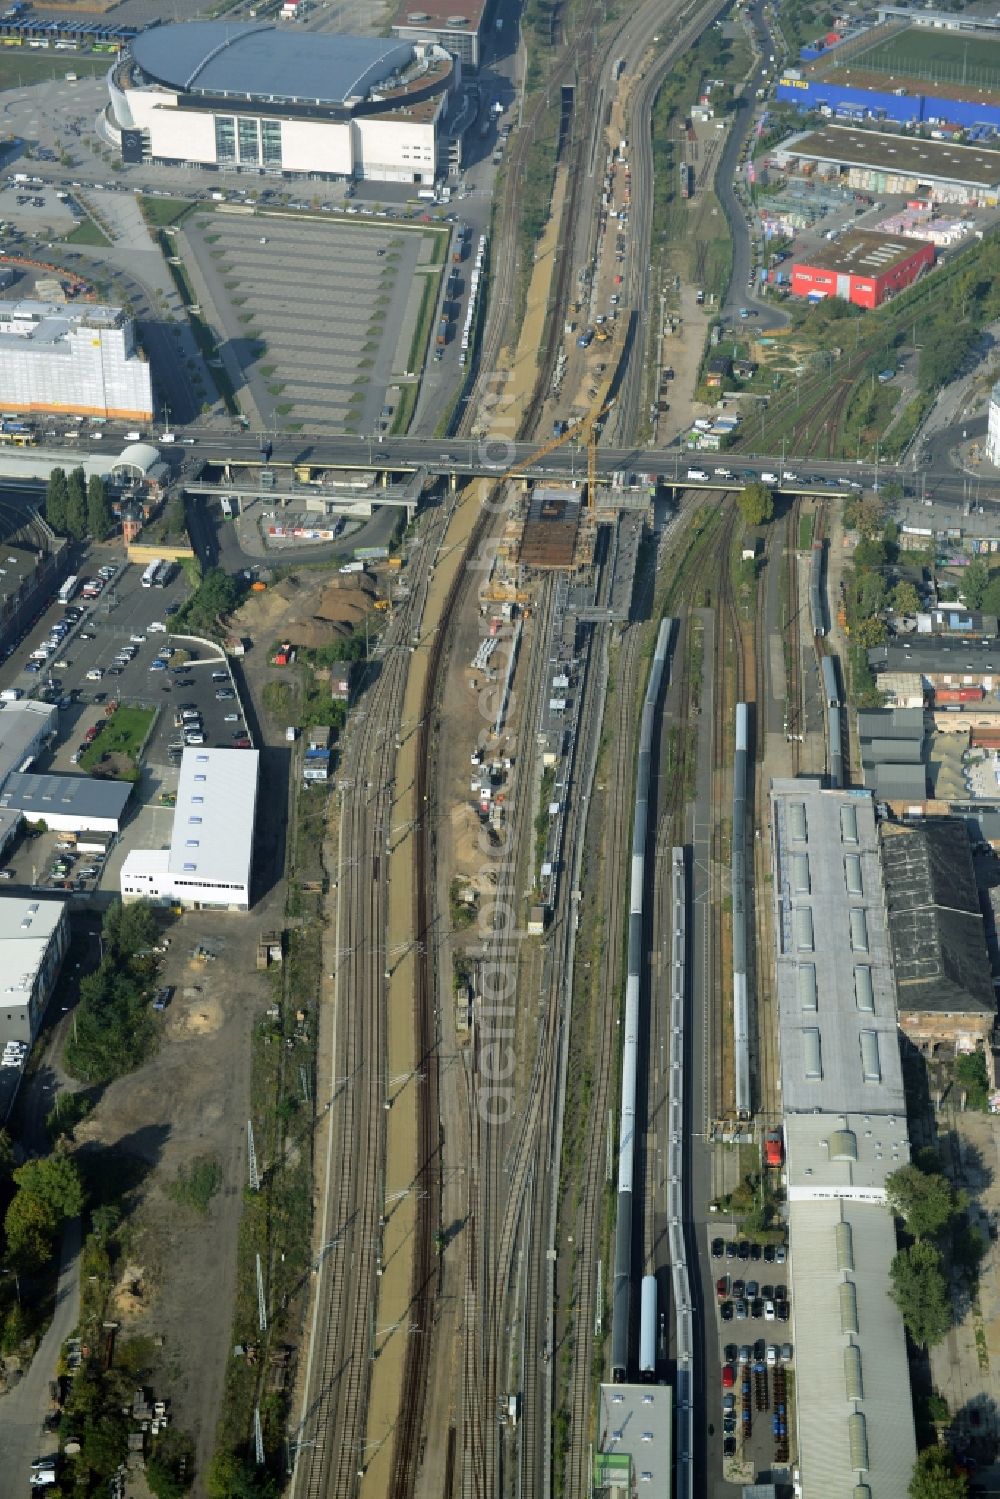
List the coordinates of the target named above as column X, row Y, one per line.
column 278, row 101
column 81, row 358
column 456, row 25
column 865, row 269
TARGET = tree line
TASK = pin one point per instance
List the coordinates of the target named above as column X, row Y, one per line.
column 76, row 507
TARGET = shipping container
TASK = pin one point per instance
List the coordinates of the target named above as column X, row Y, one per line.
column 958, row 695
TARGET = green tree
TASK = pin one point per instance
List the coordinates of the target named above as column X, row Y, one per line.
column 905, row 598
column 99, row 520
column 926, row 1201
column 29, row 1227
column 870, row 633
column 232, row 1477
column 869, row 554
column 991, row 596
column 920, row 1290
column 935, row 1476
column 871, row 594
column 56, row 497
column 971, row 1074
column 55, row 1181
column 129, row 929
column 76, row 505
column 756, row 504
column 975, row 583
column 864, row 514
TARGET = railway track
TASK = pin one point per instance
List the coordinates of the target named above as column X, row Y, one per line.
column 331, row 1449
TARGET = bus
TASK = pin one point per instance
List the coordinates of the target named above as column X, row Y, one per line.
column 150, row 573
column 164, row 572
column 18, row 439
column 68, row 589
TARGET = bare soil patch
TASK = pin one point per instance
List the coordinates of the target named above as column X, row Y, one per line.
column 190, row 1101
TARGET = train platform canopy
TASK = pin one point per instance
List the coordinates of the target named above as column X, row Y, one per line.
column 634, row 1451
column 38, row 463
column 902, row 155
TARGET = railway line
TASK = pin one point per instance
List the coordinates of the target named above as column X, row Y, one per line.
column 331, row 1441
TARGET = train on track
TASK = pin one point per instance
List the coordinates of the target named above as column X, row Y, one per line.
column 741, row 998
column 621, row 1292
column 817, row 607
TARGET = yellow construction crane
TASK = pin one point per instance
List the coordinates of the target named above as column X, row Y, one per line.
column 586, row 428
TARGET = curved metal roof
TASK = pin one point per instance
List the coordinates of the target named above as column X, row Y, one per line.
column 267, row 62
column 140, row 455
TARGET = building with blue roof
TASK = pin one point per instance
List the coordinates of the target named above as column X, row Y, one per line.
column 276, row 100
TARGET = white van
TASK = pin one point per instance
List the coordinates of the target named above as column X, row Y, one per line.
column 697, row 473
column 133, row 437
column 769, row 478
column 11, row 695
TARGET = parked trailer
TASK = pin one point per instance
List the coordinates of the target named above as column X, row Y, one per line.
column 442, row 333
column 68, row 589
column 647, row 1328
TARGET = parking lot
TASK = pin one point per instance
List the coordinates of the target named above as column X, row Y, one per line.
column 756, row 1353
column 337, row 332
column 111, row 661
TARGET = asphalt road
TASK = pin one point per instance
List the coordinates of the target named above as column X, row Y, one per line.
column 739, row 294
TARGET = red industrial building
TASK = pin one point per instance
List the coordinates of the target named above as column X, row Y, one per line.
column 862, row 267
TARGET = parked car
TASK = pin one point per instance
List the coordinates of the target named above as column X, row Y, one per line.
column 728, row 1376
column 768, row 1311
column 718, row 1248
column 726, row 1311
column 722, row 1287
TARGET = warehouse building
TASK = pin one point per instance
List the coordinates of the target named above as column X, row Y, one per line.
column 943, row 980
column 863, row 268
column 845, row 1130
column 34, row 936
column 456, row 26
column 836, row 998
column 278, row 101
column 67, row 804
column 24, row 728
column 939, row 661
column 209, row 860
column 82, row 359
column 633, row 1454
column 875, row 162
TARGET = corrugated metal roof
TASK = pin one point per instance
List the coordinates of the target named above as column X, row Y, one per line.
column 268, row 62
column 66, row 796
column 935, row 919
column 219, row 787
column 839, row 1083
column 827, row 1463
